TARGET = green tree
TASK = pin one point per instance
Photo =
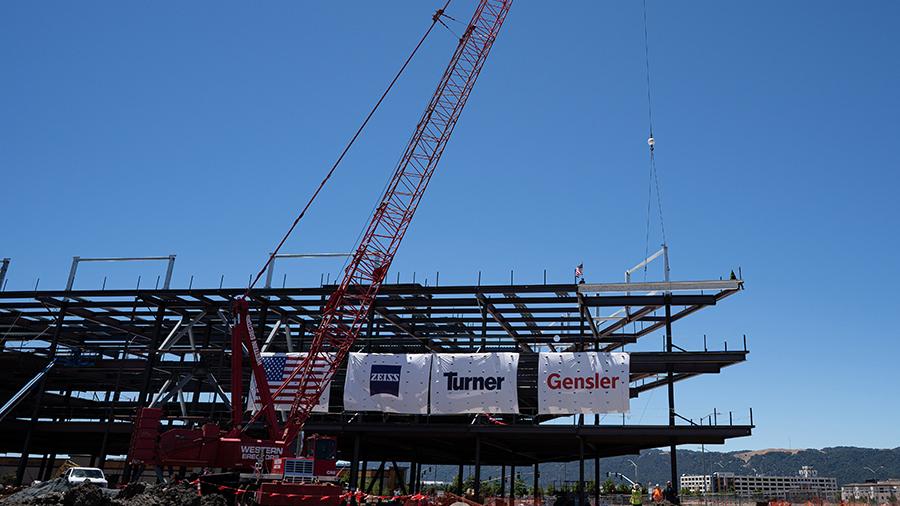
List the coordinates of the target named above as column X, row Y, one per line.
column 520, row 488
column 608, row 487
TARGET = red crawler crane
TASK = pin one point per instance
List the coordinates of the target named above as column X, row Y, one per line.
column 349, row 305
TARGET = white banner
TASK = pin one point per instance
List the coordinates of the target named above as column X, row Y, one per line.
column 278, row 367
column 583, row 383
column 474, row 383
column 387, row 382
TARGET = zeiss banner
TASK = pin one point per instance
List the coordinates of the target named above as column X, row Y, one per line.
column 474, row 383
column 583, row 383
column 278, row 367
column 387, row 382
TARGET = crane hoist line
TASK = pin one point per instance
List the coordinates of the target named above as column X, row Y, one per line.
column 347, row 308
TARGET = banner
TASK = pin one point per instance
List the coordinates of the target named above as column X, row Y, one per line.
column 387, row 382
column 583, row 383
column 278, row 367
column 474, row 383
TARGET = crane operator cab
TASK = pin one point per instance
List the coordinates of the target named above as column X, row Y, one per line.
column 317, row 461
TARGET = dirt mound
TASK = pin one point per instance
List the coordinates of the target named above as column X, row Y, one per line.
column 140, row 494
column 50, row 491
column 213, row 500
column 86, row 494
column 131, row 490
column 60, row 493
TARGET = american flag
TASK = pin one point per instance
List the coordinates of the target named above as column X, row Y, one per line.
column 278, row 367
column 579, row 271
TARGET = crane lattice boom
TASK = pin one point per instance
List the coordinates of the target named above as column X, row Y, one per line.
column 349, row 305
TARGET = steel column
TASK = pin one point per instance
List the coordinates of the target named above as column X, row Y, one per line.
column 38, row 396
column 597, row 469
column 48, row 470
column 151, row 354
column 354, row 464
column 4, row 267
column 418, row 478
column 673, row 454
column 477, row 485
column 580, row 490
column 399, row 479
column 362, row 474
column 381, row 478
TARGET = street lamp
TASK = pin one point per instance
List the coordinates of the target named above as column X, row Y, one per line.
column 874, row 473
column 635, row 471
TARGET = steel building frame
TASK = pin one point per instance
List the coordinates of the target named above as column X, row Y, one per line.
column 115, row 350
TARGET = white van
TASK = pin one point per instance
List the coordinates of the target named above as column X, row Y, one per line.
column 76, row 475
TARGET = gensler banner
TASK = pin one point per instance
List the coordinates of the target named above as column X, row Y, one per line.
column 474, row 383
column 588, row 382
column 387, row 382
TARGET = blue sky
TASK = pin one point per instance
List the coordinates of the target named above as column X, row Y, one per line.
column 199, row 128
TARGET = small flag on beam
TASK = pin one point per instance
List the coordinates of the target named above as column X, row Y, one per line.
column 579, row 270
column 278, row 367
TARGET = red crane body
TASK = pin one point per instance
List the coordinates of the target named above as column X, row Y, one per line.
column 349, row 306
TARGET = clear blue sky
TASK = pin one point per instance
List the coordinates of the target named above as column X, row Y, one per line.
column 199, row 128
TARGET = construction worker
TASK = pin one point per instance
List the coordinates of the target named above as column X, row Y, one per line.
column 657, row 494
column 637, row 495
column 670, row 495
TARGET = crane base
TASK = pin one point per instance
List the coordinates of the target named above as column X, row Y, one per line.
column 291, row 494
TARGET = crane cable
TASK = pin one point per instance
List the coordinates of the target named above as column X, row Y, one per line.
column 434, row 20
column 653, row 176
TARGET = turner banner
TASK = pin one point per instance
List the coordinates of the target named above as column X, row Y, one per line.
column 474, row 383
column 588, row 382
column 387, row 382
column 278, row 367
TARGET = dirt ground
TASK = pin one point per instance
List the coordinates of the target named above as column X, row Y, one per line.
column 59, row 493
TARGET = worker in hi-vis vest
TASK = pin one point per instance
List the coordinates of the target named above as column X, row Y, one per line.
column 637, row 495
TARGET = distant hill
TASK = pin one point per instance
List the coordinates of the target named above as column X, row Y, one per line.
column 845, row 463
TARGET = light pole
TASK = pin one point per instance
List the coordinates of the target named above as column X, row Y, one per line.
column 874, row 473
column 635, row 471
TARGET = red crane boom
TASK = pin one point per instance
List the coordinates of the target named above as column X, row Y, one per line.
column 343, row 316
column 349, row 305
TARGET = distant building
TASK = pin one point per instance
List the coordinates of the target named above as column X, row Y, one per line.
column 806, row 483
column 878, row 491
